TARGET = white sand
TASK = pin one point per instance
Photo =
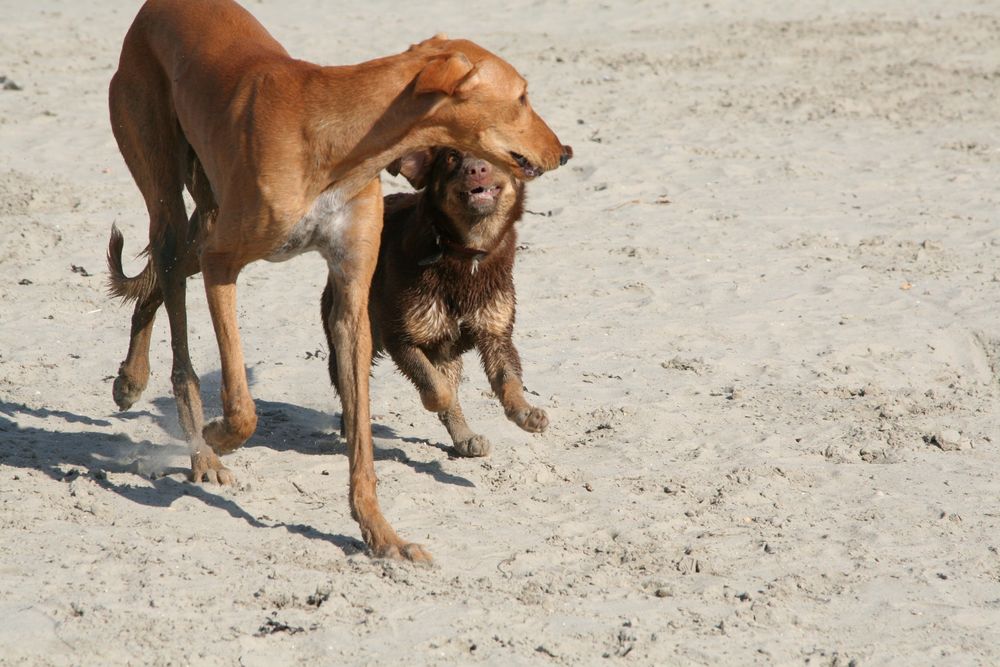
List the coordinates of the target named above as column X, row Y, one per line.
column 769, row 277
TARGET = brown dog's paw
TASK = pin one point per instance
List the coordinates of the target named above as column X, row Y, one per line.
column 532, row 420
column 126, row 392
column 405, row 551
column 206, row 467
column 473, row 447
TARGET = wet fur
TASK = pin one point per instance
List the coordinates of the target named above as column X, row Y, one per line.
column 436, row 312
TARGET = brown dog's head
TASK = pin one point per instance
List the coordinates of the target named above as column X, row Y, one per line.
column 483, row 108
column 466, row 188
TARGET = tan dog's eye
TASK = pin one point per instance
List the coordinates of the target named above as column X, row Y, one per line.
column 523, row 99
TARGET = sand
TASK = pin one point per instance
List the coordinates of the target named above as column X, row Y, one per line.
column 760, row 307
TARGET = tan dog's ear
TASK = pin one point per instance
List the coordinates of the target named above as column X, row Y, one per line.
column 414, row 167
column 470, row 81
column 440, row 37
column 444, row 75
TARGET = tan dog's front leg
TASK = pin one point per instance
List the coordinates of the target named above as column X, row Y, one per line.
column 351, row 268
column 503, row 367
column 239, row 418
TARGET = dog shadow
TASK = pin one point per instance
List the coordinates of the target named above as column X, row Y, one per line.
column 63, row 452
column 285, row 427
column 65, row 455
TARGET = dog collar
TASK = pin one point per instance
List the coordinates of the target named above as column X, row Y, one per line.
column 445, row 246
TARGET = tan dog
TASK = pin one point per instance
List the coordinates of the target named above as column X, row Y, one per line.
column 282, row 157
column 444, row 284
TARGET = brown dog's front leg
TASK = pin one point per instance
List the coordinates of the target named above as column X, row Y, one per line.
column 503, row 367
column 437, row 383
column 435, row 388
column 465, row 440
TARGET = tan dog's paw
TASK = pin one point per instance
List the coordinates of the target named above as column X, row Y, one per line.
column 475, row 446
column 126, row 392
column 532, row 420
column 221, row 438
column 405, row 551
column 206, row 467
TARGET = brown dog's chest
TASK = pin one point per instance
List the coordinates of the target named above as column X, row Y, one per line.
column 452, row 305
column 426, row 294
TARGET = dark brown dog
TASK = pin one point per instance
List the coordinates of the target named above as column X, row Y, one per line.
column 443, row 285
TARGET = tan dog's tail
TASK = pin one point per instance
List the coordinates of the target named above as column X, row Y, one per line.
column 127, row 288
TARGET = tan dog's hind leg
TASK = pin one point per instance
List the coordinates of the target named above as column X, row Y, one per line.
column 350, row 330
column 157, row 155
column 205, row 464
column 143, row 128
column 174, row 258
column 133, row 374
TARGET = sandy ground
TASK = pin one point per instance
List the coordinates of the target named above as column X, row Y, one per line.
column 760, row 307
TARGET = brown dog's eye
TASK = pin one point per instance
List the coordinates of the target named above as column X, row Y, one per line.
column 452, row 158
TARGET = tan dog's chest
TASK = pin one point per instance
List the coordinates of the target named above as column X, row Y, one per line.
column 330, row 227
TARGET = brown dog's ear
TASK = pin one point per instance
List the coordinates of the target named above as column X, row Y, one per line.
column 445, row 75
column 413, row 166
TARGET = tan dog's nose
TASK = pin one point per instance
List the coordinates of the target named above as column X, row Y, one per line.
column 567, row 153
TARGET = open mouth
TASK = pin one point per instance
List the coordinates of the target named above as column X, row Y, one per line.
column 530, row 170
column 481, row 196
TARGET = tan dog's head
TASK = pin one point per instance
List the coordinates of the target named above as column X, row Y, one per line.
column 483, row 108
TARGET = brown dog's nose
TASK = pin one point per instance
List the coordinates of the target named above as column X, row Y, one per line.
column 477, row 172
column 567, row 153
